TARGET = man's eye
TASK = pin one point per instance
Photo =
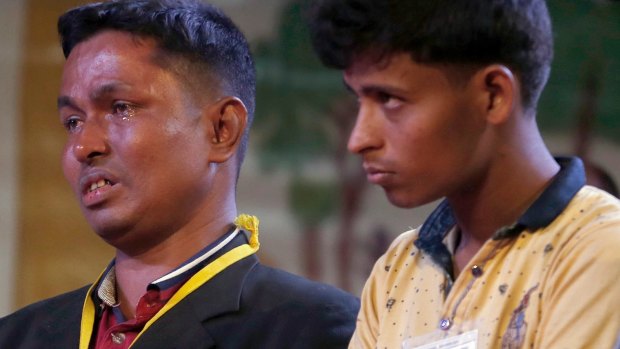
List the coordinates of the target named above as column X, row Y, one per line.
column 123, row 110
column 72, row 124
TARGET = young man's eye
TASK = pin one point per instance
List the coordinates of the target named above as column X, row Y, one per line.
column 393, row 103
column 388, row 101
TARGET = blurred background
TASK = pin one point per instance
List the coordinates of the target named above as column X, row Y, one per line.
column 319, row 217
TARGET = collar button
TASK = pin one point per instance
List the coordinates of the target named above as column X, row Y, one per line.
column 445, row 324
column 118, row 338
column 476, row 271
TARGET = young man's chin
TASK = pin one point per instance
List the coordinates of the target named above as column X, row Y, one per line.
column 407, row 199
column 399, row 199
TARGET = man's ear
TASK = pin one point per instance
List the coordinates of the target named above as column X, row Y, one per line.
column 226, row 120
column 500, row 93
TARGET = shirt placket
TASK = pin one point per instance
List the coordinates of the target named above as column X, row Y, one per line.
column 458, row 306
column 122, row 335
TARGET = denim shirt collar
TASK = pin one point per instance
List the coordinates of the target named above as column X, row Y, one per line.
column 541, row 213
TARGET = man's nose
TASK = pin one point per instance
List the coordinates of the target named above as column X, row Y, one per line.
column 90, row 142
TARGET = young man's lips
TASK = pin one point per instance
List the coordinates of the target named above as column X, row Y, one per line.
column 377, row 175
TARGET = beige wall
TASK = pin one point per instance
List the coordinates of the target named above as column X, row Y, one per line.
column 57, row 252
column 11, row 15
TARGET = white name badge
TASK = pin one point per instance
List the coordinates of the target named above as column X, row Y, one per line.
column 467, row 340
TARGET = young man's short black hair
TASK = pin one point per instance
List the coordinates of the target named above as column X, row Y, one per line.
column 516, row 33
column 206, row 41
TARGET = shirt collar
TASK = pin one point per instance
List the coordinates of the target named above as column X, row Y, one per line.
column 556, row 196
column 106, row 290
column 541, row 213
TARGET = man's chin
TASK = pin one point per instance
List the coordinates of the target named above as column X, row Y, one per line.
column 127, row 238
column 123, row 241
column 110, row 234
column 110, row 231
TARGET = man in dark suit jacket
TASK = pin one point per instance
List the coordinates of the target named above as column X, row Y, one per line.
column 247, row 305
column 157, row 98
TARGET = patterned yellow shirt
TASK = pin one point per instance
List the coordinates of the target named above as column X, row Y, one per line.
column 552, row 280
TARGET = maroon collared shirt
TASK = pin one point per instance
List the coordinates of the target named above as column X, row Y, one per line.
column 114, row 333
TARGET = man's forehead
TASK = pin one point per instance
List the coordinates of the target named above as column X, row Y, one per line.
column 115, row 36
column 119, row 56
column 109, row 51
column 110, row 46
column 104, row 64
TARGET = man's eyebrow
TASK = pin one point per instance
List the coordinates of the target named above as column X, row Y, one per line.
column 103, row 90
column 65, row 101
column 98, row 94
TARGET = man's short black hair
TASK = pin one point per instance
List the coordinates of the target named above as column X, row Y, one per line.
column 204, row 37
column 515, row 33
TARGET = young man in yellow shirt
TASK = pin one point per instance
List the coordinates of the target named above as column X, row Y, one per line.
column 520, row 254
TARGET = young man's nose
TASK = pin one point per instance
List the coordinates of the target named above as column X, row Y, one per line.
column 365, row 134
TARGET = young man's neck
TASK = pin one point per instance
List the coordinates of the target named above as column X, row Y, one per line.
column 513, row 182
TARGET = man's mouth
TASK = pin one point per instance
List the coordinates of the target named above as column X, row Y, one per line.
column 98, row 184
column 96, row 190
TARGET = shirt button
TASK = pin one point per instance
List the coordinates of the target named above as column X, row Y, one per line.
column 118, row 338
column 445, row 324
column 476, row 271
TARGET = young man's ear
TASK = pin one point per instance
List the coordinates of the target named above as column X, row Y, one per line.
column 226, row 120
column 500, row 93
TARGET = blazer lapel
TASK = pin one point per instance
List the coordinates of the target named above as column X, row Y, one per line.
column 186, row 324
